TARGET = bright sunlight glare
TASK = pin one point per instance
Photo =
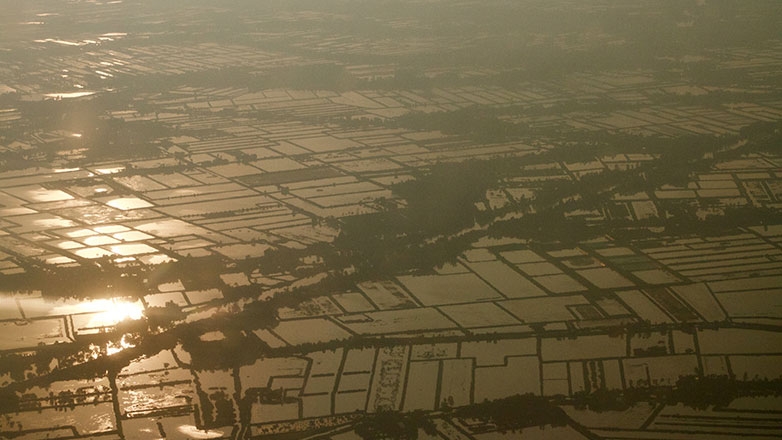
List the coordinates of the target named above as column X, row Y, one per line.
column 113, row 311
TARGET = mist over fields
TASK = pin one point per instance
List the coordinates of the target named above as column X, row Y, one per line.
column 390, row 219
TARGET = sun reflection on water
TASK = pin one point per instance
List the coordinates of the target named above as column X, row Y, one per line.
column 116, row 347
column 195, row 433
column 102, row 312
column 113, row 311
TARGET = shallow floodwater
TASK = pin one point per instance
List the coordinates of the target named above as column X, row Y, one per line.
column 41, row 320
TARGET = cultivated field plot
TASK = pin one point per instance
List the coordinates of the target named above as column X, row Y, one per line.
column 448, row 289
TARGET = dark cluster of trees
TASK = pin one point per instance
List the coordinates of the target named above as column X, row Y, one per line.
column 442, row 200
column 699, row 392
column 392, row 425
column 516, row 412
column 478, row 123
column 440, row 203
column 761, row 137
column 505, row 415
column 216, row 410
column 101, row 137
